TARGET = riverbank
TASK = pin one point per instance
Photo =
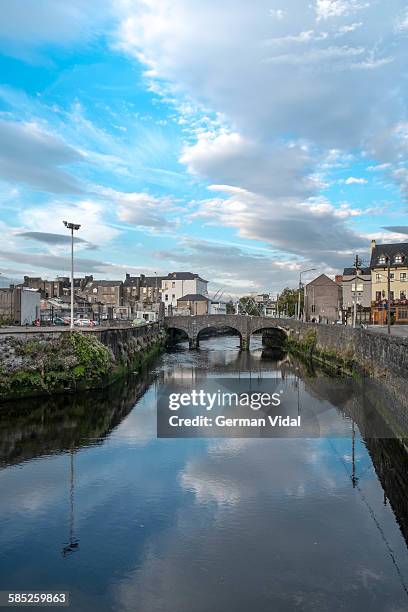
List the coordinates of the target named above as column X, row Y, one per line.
column 65, row 362
column 381, row 361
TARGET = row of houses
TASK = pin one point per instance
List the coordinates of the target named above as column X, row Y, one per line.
column 147, row 297
column 363, row 292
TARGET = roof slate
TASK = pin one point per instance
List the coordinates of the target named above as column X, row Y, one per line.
column 193, row 297
column 389, row 250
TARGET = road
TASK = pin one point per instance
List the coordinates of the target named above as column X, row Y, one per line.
column 396, row 330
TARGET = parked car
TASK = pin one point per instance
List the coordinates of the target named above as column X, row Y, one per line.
column 59, row 321
column 139, row 322
column 85, row 322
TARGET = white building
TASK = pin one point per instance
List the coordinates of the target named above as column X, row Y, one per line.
column 178, row 284
column 147, row 315
column 217, row 307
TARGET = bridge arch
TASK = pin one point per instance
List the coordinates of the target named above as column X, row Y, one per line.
column 218, row 327
column 243, row 325
column 273, row 336
column 177, row 334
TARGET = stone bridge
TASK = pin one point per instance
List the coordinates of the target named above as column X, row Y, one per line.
column 243, row 325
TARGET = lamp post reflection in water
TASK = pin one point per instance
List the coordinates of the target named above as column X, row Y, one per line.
column 73, row 543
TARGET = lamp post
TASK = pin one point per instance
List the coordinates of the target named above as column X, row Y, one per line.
column 300, row 287
column 389, row 295
column 73, row 227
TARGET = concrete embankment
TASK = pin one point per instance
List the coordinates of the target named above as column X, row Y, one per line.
column 381, row 359
column 48, row 362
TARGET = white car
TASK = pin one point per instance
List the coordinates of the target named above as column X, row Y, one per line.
column 85, row 323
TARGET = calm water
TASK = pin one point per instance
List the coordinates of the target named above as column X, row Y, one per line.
column 93, row 503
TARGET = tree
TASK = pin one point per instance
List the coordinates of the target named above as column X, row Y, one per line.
column 288, row 300
column 230, row 307
column 248, row 306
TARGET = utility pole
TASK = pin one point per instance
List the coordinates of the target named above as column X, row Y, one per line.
column 389, row 295
column 357, row 264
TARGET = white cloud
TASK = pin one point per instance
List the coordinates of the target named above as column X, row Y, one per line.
column 353, row 180
column 232, row 268
column 25, row 25
column 184, row 43
column 337, row 8
column 89, row 213
column 341, row 91
column 141, row 209
column 378, row 167
column 233, row 160
column 314, row 229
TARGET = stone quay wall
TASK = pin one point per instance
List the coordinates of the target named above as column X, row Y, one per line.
column 46, row 361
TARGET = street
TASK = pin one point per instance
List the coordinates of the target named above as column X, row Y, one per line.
column 396, row 330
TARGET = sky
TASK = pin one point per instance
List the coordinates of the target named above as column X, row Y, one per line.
column 242, row 141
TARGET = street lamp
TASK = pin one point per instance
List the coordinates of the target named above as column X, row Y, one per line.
column 73, row 227
column 300, row 287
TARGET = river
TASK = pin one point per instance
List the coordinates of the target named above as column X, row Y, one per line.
column 93, row 503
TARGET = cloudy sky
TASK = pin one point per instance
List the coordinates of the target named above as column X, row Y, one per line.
column 244, row 141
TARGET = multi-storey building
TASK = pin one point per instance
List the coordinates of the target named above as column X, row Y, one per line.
column 141, row 290
column 107, row 292
column 323, row 298
column 179, row 284
column 55, row 288
column 389, row 259
column 356, row 289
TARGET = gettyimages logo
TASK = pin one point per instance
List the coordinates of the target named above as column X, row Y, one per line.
column 231, row 407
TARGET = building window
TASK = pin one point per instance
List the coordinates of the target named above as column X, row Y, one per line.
column 360, row 287
column 381, row 260
column 166, row 297
column 402, row 314
column 391, row 295
column 378, row 278
column 398, row 259
column 378, row 296
column 313, row 308
column 392, row 276
column 403, row 295
column 403, row 276
column 173, row 297
column 173, row 284
column 353, row 286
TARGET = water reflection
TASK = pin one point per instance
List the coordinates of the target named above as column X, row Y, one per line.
column 93, row 503
column 39, row 426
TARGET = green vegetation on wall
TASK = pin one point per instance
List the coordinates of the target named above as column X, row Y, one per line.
column 305, row 345
column 68, row 362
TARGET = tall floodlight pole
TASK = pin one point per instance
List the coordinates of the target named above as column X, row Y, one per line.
column 389, row 295
column 300, row 287
column 72, row 227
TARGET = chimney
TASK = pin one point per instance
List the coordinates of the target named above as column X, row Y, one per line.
column 373, row 245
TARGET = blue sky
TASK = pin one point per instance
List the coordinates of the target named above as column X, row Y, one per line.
column 242, row 142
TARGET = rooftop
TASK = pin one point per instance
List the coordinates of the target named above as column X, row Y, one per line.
column 104, row 283
column 193, row 297
column 389, row 250
column 322, row 279
column 352, row 271
column 184, row 276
